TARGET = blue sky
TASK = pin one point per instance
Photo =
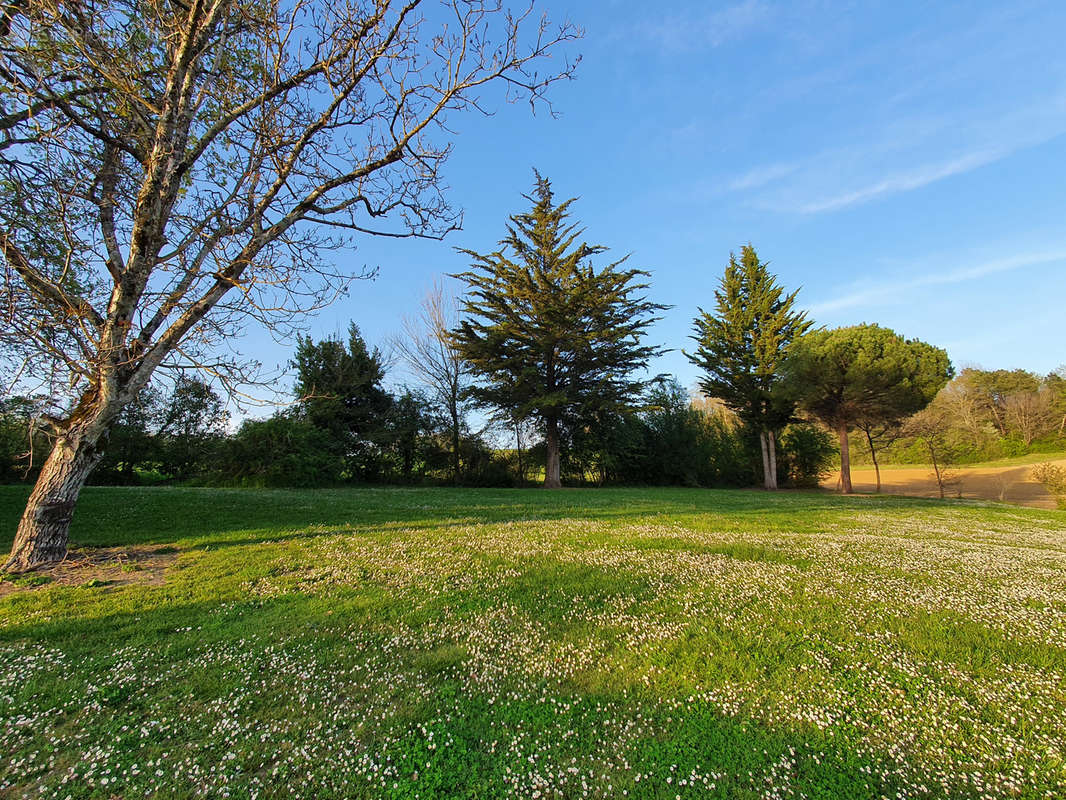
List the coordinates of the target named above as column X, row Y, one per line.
column 903, row 163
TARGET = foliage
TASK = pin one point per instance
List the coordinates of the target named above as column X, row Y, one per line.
column 742, row 346
column 131, row 442
column 1053, row 477
column 281, row 451
column 22, row 444
column 932, row 430
column 668, row 443
column 173, row 433
column 808, row 453
column 863, row 373
column 995, row 414
column 408, row 419
column 191, row 429
column 548, row 334
column 339, row 391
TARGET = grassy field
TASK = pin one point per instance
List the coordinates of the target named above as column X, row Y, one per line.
column 483, row 644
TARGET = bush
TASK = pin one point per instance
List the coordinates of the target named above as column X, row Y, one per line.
column 807, row 455
column 1054, row 479
column 280, row 451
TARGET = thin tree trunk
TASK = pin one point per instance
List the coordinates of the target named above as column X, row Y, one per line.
column 845, row 459
column 765, row 460
column 936, row 468
column 44, row 530
column 551, row 466
column 456, row 461
column 771, row 440
column 518, row 444
column 873, row 455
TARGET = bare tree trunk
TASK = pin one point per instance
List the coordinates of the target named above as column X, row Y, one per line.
column 873, row 455
column 845, row 459
column 771, row 440
column 765, row 460
column 936, row 468
column 551, row 466
column 456, row 462
column 44, row 530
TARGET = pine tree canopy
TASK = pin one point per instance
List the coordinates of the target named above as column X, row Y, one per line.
column 865, row 372
column 548, row 333
column 742, row 346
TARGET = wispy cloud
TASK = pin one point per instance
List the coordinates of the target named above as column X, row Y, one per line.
column 890, row 289
column 906, row 180
column 913, row 153
column 711, row 28
column 760, row 176
column 903, row 114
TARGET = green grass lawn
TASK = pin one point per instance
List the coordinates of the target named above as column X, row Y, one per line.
column 439, row 643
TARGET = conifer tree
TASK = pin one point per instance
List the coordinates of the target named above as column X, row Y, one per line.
column 340, row 392
column 551, row 337
column 741, row 348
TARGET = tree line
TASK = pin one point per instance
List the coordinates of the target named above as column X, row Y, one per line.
column 549, row 348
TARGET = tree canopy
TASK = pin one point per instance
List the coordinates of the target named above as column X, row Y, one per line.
column 339, row 388
column 549, row 334
column 863, row 372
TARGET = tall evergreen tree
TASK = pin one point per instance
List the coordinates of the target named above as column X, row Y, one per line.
column 550, row 336
column 741, row 348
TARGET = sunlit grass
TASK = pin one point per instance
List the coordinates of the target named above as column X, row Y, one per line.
column 494, row 643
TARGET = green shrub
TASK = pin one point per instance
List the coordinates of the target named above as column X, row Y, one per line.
column 1054, row 479
column 806, row 455
column 281, row 451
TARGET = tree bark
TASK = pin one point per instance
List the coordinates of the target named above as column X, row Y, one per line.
column 518, row 444
column 845, row 459
column 771, row 441
column 936, row 468
column 873, row 455
column 765, row 460
column 551, row 466
column 456, row 462
column 44, row 530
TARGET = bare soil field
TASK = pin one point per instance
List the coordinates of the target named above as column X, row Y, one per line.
column 1010, row 484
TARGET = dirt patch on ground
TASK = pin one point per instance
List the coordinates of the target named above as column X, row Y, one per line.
column 98, row 566
column 1007, row 484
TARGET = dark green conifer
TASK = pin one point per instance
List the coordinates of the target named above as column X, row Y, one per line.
column 552, row 337
column 742, row 346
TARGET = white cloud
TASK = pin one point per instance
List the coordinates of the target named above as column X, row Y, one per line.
column 870, row 295
column 760, row 176
column 904, row 181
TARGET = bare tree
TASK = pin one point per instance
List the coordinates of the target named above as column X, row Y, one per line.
column 169, row 171
column 429, row 353
column 932, row 427
column 1030, row 415
column 879, row 434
